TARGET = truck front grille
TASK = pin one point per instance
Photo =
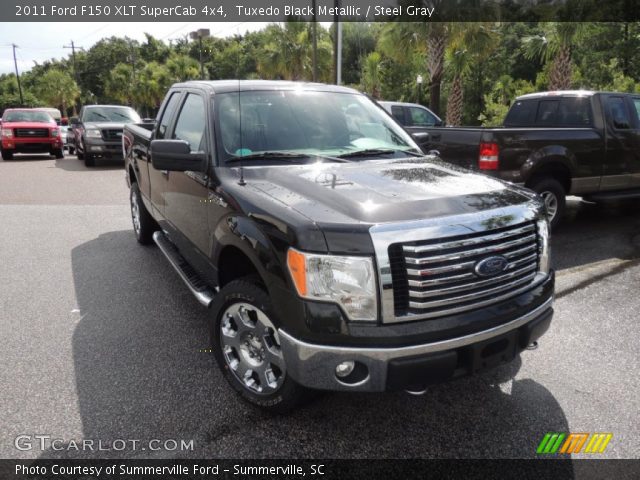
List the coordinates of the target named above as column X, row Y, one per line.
column 31, row 132
column 433, row 278
column 112, row 135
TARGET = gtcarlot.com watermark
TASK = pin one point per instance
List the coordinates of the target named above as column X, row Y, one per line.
column 47, row 442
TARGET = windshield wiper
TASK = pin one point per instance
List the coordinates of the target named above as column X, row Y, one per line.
column 289, row 157
column 368, row 152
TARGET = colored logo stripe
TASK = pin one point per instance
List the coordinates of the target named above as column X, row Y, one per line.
column 574, row 442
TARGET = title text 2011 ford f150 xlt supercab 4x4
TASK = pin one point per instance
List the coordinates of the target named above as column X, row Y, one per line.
column 333, row 254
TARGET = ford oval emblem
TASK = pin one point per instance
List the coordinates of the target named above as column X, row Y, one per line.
column 490, row 266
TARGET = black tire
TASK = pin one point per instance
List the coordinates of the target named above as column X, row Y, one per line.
column 553, row 195
column 7, row 155
column 59, row 153
column 89, row 160
column 146, row 225
column 247, row 290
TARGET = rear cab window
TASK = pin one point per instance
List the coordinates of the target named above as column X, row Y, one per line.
column 551, row 112
column 421, row 118
column 398, row 113
column 167, row 115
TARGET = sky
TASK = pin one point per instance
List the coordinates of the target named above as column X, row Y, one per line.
column 40, row 41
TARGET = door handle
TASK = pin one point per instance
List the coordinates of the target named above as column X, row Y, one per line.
column 165, row 172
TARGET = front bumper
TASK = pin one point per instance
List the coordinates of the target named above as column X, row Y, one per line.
column 31, row 145
column 411, row 367
column 100, row 148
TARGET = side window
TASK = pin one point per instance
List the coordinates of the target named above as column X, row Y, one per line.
column 191, row 123
column 398, row 113
column 618, row 113
column 521, row 113
column 421, row 118
column 547, row 112
column 636, row 103
column 574, row 111
column 167, row 115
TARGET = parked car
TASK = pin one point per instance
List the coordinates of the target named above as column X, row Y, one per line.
column 54, row 113
column 67, row 141
column 412, row 116
column 332, row 253
column 28, row 130
column 557, row 143
column 97, row 132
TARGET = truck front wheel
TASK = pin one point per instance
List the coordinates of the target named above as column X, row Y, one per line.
column 246, row 346
column 7, row 155
column 143, row 223
column 554, row 197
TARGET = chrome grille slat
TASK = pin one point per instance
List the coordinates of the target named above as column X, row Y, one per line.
column 471, row 253
column 437, row 278
column 472, row 296
column 467, row 242
column 470, row 286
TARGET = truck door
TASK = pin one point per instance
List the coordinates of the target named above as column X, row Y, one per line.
column 620, row 159
column 186, row 194
column 158, row 179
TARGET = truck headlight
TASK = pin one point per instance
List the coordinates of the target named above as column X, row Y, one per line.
column 7, row 133
column 544, row 247
column 93, row 133
column 348, row 281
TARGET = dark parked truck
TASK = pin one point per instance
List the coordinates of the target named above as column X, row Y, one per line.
column 556, row 143
column 28, row 130
column 332, row 253
column 97, row 132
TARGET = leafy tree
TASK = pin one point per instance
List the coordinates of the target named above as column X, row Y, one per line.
column 57, row 89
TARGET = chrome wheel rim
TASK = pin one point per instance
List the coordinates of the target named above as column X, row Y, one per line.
column 135, row 212
column 550, row 203
column 251, row 348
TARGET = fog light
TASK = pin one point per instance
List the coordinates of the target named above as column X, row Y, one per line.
column 344, row 369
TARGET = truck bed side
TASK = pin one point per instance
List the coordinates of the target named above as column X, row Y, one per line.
column 136, row 141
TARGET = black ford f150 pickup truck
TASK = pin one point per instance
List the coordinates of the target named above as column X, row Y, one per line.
column 556, row 143
column 333, row 254
column 97, row 132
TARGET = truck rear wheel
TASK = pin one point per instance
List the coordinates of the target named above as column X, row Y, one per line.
column 7, row 155
column 143, row 223
column 246, row 346
column 554, row 197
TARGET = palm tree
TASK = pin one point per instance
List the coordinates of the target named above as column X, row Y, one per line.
column 182, row 68
column 370, row 78
column 472, row 43
column 555, row 45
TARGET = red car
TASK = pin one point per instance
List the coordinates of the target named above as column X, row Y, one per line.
column 29, row 130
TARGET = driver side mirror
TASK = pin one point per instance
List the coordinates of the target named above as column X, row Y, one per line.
column 420, row 137
column 176, row 156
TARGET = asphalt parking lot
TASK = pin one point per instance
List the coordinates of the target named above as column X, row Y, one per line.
column 101, row 340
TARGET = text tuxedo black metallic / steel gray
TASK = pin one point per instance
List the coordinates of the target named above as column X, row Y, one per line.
column 332, row 254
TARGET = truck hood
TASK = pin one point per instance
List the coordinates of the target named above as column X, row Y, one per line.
column 381, row 191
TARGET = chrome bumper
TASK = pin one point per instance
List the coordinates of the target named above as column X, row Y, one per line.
column 314, row 365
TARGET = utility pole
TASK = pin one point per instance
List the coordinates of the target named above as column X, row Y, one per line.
column 315, row 42
column 337, row 44
column 200, row 34
column 75, row 71
column 15, row 64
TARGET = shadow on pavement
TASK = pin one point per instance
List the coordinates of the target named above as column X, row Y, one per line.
column 72, row 164
column 141, row 374
column 19, row 157
column 595, row 232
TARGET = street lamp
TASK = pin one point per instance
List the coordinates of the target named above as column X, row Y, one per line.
column 419, row 81
column 199, row 35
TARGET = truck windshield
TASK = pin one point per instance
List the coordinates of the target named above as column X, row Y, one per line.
column 111, row 114
column 307, row 123
column 27, row 116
